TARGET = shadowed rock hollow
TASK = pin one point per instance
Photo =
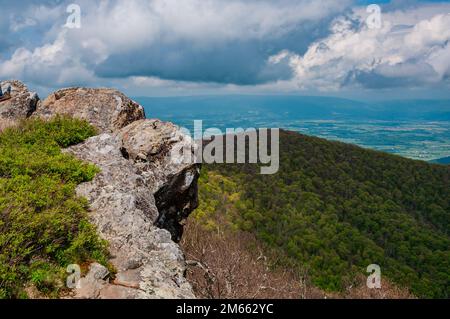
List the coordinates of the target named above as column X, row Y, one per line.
column 149, row 144
column 138, row 201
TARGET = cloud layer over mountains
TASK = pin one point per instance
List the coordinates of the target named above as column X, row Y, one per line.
column 251, row 45
column 411, row 48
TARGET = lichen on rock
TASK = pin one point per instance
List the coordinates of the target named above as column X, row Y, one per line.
column 122, row 200
column 149, row 143
column 107, row 109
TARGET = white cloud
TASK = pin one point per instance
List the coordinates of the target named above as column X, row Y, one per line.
column 411, row 49
column 35, row 16
column 181, row 36
column 206, row 20
column 49, row 64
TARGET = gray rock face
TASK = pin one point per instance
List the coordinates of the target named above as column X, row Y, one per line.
column 149, row 143
column 94, row 281
column 124, row 200
column 21, row 104
column 106, row 109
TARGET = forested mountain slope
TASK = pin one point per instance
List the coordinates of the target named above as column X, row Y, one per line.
column 333, row 209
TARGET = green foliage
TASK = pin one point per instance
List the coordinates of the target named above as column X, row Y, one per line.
column 43, row 224
column 335, row 208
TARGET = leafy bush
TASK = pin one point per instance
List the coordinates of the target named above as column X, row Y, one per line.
column 43, row 224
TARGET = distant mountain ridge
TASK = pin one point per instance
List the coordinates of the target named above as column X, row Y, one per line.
column 444, row 160
column 417, row 129
column 304, row 107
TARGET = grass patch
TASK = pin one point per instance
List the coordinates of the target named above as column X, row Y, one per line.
column 43, row 224
column 5, row 123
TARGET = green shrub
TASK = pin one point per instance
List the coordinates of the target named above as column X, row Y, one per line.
column 43, row 224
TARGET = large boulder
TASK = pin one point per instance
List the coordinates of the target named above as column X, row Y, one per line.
column 107, row 109
column 161, row 147
column 21, row 104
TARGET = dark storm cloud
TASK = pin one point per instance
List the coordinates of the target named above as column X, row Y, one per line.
column 238, row 62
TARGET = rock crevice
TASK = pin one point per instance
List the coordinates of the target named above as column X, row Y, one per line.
column 123, row 204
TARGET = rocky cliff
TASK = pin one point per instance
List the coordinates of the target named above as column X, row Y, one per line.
column 138, row 201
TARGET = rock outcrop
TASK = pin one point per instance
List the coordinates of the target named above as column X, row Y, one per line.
column 124, row 200
column 107, row 109
column 21, row 104
column 152, row 145
column 145, row 190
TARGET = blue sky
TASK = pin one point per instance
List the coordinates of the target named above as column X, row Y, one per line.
column 171, row 47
